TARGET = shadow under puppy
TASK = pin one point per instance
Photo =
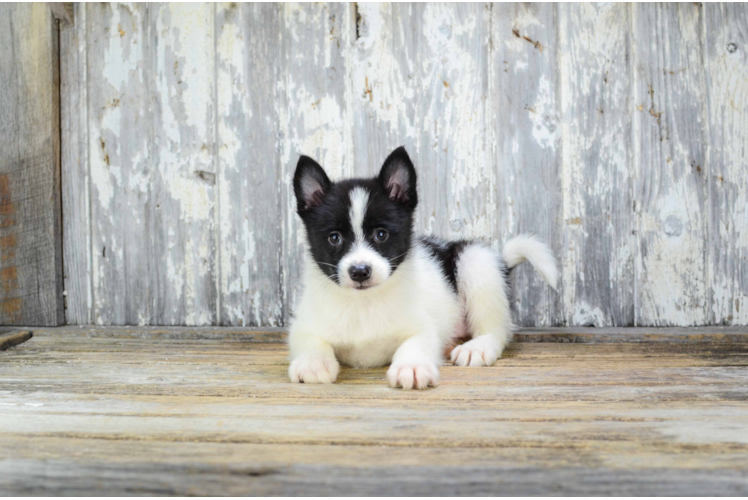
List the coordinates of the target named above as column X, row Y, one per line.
column 375, row 294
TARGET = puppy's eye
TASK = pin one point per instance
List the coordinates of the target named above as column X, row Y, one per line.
column 381, row 235
column 335, row 238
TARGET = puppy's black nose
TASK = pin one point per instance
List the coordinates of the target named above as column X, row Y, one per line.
column 359, row 272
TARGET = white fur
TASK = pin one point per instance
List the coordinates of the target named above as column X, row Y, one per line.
column 485, row 300
column 359, row 200
column 527, row 247
column 406, row 321
column 411, row 313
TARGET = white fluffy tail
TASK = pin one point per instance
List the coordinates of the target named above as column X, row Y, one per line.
column 526, row 247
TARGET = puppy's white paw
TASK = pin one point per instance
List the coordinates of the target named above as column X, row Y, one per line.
column 413, row 375
column 313, row 369
column 480, row 351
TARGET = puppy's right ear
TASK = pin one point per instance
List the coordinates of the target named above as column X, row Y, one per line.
column 310, row 184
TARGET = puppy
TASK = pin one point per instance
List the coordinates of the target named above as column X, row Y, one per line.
column 375, row 294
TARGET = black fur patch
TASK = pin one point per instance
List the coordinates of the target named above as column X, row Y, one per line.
column 448, row 252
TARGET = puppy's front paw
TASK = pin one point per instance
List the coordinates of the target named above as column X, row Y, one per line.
column 313, row 369
column 413, row 375
column 480, row 351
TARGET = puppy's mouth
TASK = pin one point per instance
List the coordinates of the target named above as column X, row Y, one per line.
column 362, row 286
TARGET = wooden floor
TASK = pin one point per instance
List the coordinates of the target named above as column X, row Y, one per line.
column 210, row 412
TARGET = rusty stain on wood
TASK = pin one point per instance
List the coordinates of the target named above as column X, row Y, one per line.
column 8, row 247
column 535, row 44
column 11, row 310
column 7, row 209
column 367, row 90
column 31, row 291
column 9, row 279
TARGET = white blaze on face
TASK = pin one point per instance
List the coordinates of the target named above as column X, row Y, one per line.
column 359, row 200
column 361, row 253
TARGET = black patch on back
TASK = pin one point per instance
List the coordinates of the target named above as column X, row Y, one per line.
column 447, row 253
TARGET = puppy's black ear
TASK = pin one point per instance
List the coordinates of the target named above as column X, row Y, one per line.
column 398, row 176
column 310, row 184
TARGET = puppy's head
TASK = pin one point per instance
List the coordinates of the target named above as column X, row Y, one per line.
column 358, row 230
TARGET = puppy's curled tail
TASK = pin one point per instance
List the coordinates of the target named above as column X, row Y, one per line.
column 526, row 247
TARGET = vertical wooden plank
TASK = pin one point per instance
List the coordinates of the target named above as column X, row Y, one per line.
column 314, row 112
column 183, row 164
column 75, row 180
column 598, row 217
column 670, row 164
column 528, row 136
column 248, row 69
column 727, row 92
column 121, row 168
column 420, row 79
column 383, row 87
column 379, row 70
column 152, row 118
column 459, row 201
column 30, row 209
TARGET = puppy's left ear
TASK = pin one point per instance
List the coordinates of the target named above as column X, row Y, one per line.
column 398, row 177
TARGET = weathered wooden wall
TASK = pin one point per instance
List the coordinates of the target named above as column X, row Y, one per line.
column 618, row 133
column 31, row 291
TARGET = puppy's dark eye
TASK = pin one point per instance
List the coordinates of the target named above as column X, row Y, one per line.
column 335, row 238
column 381, row 235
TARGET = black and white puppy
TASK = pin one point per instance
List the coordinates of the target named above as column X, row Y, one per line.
column 375, row 294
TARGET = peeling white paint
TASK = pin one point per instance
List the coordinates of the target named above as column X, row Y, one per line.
column 379, row 76
column 477, row 106
column 120, row 60
column 586, row 315
column 727, row 88
column 542, row 115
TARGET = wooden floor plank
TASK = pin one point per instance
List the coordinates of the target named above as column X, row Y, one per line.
column 13, row 338
column 152, row 412
column 583, row 335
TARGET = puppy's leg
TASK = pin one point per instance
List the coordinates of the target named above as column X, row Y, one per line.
column 312, row 360
column 415, row 364
column 483, row 292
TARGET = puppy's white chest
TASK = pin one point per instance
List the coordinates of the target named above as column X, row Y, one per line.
column 365, row 328
column 367, row 335
column 369, row 354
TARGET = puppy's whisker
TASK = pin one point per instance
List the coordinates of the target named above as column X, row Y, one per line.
column 325, row 285
column 397, row 256
column 326, row 264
